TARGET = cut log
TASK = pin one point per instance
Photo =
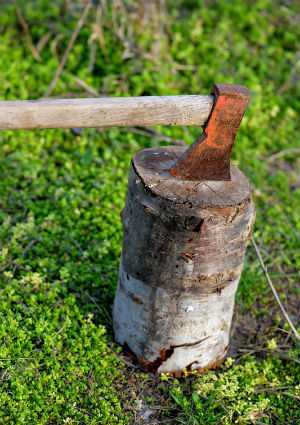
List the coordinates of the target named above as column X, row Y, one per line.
column 183, row 253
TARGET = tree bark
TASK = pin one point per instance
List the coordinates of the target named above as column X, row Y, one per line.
column 183, row 253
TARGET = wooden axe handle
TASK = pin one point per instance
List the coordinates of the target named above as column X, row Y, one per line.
column 105, row 112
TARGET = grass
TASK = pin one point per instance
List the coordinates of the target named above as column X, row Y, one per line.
column 61, row 195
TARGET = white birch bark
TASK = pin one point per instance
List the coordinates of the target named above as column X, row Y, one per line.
column 183, row 253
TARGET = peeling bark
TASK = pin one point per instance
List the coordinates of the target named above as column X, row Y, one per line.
column 183, row 253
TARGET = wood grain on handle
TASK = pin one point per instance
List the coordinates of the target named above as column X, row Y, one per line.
column 105, row 112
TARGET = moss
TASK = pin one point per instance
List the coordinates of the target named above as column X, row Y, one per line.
column 242, row 394
column 55, row 363
column 61, row 195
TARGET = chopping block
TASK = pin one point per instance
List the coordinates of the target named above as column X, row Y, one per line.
column 186, row 224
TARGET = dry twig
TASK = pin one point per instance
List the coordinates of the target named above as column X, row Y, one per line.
column 270, row 389
column 25, row 27
column 283, row 153
column 43, row 41
column 126, row 362
column 264, row 268
column 295, row 397
column 151, row 132
column 68, row 49
column 101, row 309
column 87, row 88
column 14, row 263
column 276, row 353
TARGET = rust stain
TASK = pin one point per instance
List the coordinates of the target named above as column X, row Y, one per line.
column 137, row 300
column 147, row 366
column 187, row 257
column 164, row 354
column 152, row 367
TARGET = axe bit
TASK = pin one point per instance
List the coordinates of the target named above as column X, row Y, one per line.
column 208, row 158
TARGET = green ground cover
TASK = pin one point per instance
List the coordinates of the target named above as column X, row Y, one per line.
column 61, row 195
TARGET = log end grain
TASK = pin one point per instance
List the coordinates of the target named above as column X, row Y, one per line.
column 153, row 166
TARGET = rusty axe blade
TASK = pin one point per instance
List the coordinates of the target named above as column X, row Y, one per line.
column 208, row 158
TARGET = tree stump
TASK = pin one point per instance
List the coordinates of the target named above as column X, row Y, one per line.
column 183, row 253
